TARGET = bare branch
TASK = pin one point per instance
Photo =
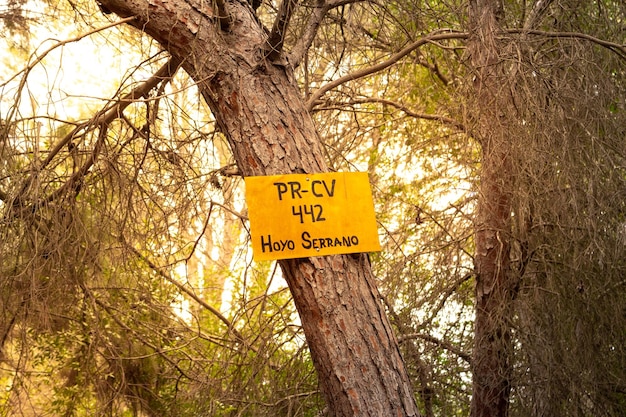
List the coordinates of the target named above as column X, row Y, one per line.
column 276, row 38
column 185, row 290
column 536, row 14
column 338, row 3
column 59, row 44
column 289, row 398
column 435, row 117
column 434, row 67
column 442, row 343
column 75, row 180
column 223, row 17
column 41, row 57
column 101, row 120
column 304, row 42
column 620, row 50
column 447, row 34
column 161, row 352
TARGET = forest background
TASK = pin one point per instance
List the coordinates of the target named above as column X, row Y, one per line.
column 494, row 135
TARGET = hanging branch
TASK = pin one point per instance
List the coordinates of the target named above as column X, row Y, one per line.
column 276, row 38
column 182, row 288
column 537, row 13
column 440, row 35
column 101, row 120
column 114, row 316
column 426, row 116
column 442, row 343
column 39, row 58
column 618, row 49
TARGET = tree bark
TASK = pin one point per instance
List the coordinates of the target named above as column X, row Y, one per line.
column 259, row 109
column 495, row 284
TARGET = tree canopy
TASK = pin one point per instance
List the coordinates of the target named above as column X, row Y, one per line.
column 493, row 133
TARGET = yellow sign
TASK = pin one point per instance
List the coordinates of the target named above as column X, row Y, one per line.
column 301, row 215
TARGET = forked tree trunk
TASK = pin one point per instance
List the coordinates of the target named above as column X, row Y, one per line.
column 495, row 285
column 258, row 107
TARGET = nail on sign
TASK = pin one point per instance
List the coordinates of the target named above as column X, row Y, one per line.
column 301, row 215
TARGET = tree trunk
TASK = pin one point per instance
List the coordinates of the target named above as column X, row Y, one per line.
column 259, row 109
column 495, row 284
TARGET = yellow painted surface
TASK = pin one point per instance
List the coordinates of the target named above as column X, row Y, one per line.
column 302, row 215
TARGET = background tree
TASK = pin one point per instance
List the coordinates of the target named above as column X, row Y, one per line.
column 526, row 119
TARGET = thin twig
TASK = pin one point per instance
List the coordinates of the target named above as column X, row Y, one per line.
column 187, row 291
column 40, row 58
column 426, row 116
column 101, row 120
column 444, row 344
column 619, row 49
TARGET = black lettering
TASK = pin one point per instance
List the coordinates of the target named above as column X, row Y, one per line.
column 298, row 213
column 330, row 192
column 326, row 242
column 319, row 217
column 286, row 244
column 295, row 189
column 313, row 184
column 276, row 246
column 267, row 244
column 308, row 209
column 281, row 187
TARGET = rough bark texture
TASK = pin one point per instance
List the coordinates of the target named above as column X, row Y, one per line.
column 259, row 109
column 495, row 289
column 356, row 354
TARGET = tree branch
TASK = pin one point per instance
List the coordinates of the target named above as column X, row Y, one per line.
column 59, row 44
column 40, row 58
column 306, row 40
column 101, row 120
column 276, row 38
column 620, row 50
column 223, row 17
column 536, row 14
column 231, row 328
column 447, row 34
column 442, row 343
column 435, row 117
column 158, row 350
